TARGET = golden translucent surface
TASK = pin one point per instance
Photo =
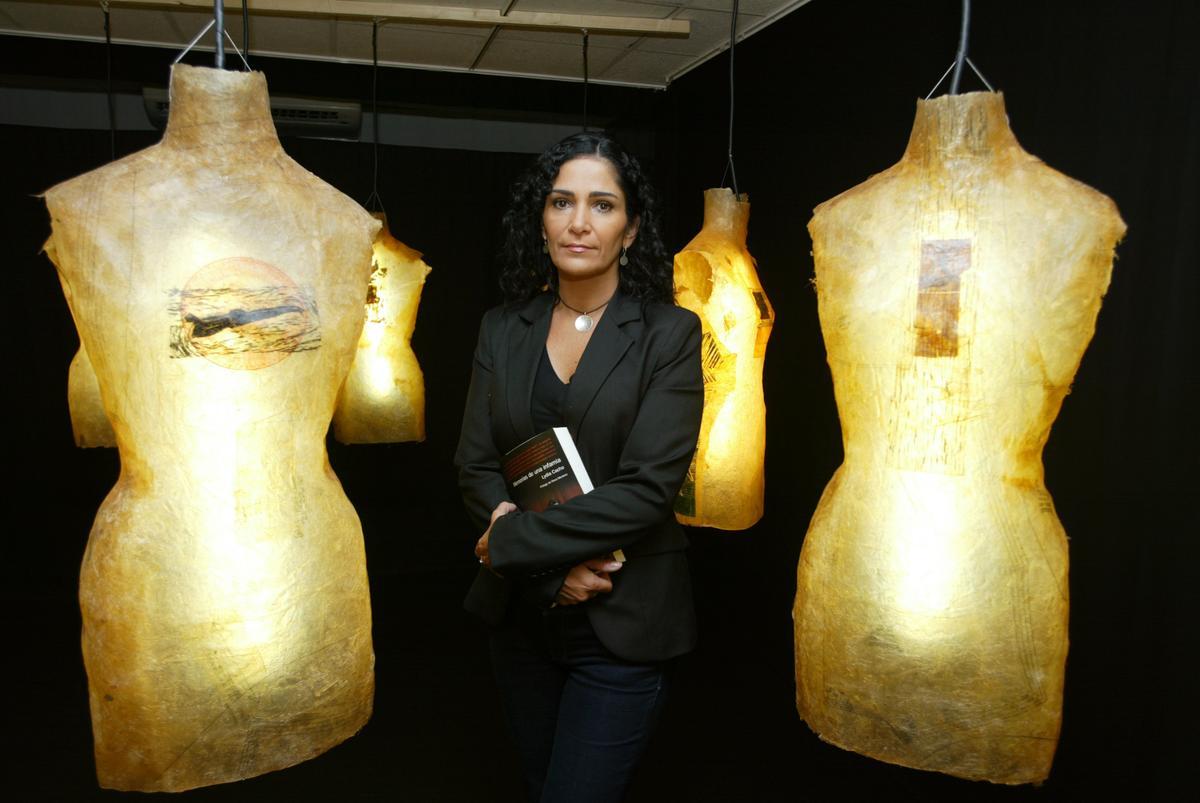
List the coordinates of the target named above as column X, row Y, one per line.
column 89, row 424
column 383, row 398
column 217, row 288
column 715, row 278
column 957, row 292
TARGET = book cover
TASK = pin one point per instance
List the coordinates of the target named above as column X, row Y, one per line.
column 544, row 471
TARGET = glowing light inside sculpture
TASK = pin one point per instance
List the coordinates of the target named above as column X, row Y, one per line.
column 383, row 398
column 89, row 424
column 715, row 277
column 217, row 289
column 957, row 292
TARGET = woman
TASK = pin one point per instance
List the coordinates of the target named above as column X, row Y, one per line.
column 590, row 339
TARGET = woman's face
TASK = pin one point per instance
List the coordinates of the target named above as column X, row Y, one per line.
column 584, row 221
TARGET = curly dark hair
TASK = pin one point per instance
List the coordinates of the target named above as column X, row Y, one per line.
column 525, row 269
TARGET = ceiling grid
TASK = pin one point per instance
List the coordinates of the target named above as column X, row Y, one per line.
column 340, row 30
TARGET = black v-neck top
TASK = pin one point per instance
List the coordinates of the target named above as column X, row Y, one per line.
column 549, row 396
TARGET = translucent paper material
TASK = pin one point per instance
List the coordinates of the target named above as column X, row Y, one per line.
column 716, row 279
column 957, row 292
column 218, row 289
column 89, row 424
column 383, row 398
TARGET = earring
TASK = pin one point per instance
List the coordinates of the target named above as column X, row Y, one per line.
column 545, row 247
column 624, row 259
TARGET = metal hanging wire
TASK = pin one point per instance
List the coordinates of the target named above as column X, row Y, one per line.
column 974, row 69
column 197, row 38
column 374, row 202
column 233, row 44
column 960, row 58
column 584, row 31
column 112, row 109
column 729, row 168
column 219, row 19
column 961, row 55
column 245, row 32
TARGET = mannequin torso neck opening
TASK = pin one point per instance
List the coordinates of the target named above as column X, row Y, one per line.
column 218, row 108
column 726, row 212
column 956, row 128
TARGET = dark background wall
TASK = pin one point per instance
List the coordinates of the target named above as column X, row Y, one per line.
column 1107, row 92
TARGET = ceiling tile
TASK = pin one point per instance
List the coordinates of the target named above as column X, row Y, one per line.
column 634, row 60
column 455, row 48
column 615, row 8
column 574, row 40
column 634, row 67
column 709, row 30
column 559, row 60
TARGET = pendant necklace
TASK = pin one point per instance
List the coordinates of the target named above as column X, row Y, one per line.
column 584, row 321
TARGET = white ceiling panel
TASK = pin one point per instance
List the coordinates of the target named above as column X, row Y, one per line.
column 710, row 32
column 293, row 30
column 563, row 60
column 295, row 36
column 570, row 38
column 637, row 63
column 616, row 8
column 449, row 48
column 756, row 7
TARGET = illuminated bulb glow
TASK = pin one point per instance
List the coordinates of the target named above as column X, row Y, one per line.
column 926, row 553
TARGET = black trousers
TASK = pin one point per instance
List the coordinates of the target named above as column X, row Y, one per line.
column 581, row 716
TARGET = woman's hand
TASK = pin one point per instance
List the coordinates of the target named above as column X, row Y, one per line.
column 586, row 580
column 481, row 546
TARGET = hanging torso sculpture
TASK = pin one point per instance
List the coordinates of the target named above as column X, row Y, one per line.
column 957, row 292
column 383, row 398
column 218, row 289
column 715, row 278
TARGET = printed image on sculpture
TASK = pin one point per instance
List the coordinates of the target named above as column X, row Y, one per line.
column 715, row 278
column 957, row 291
column 218, row 289
column 383, row 398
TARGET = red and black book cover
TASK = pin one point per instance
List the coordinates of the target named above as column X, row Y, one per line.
column 545, row 471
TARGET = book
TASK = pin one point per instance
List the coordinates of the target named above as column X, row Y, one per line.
column 546, row 470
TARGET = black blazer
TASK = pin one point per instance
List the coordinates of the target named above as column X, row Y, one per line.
column 633, row 407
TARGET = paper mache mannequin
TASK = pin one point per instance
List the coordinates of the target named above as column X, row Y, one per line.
column 957, row 292
column 715, row 277
column 218, row 291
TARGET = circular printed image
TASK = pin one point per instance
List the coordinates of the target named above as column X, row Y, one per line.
column 244, row 314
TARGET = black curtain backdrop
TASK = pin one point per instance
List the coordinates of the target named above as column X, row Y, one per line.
column 1106, row 91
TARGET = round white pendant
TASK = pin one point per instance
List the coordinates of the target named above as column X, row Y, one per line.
column 584, row 323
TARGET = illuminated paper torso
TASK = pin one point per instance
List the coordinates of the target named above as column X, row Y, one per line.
column 957, row 292
column 217, row 287
column 715, row 278
column 89, row 424
column 383, row 398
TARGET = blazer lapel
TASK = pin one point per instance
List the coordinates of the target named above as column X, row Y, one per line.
column 524, row 352
column 614, row 335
